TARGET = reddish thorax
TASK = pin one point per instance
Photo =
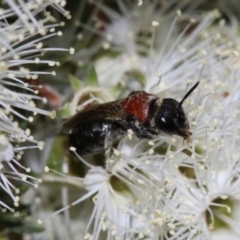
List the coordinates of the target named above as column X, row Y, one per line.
column 138, row 104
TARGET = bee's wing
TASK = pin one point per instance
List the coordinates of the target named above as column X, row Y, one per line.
column 109, row 112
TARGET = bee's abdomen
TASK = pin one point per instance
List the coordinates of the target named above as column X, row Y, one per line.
column 91, row 137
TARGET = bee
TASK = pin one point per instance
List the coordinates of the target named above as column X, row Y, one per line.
column 95, row 127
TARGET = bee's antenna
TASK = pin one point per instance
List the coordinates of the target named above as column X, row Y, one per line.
column 188, row 93
column 192, row 89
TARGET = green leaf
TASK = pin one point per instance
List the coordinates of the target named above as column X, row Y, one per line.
column 75, row 83
column 27, row 228
column 18, row 224
column 137, row 76
column 57, row 154
column 64, row 112
column 92, row 76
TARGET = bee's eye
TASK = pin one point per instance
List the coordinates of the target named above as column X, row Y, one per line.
column 163, row 119
column 166, row 125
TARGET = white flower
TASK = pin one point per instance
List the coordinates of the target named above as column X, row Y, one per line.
column 114, row 198
column 6, row 150
column 138, row 34
column 192, row 207
column 87, row 96
column 164, row 188
column 117, row 69
column 139, row 25
column 8, row 171
column 110, row 212
column 24, row 27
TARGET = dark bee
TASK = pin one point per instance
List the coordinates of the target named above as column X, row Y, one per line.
column 95, row 127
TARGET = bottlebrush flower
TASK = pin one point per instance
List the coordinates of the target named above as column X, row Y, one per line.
column 166, row 188
column 8, row 170
column 119, row 194
column 24, row 27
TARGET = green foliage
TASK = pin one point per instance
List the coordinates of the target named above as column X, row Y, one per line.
column 9, row 222
column 92, row 79
column 75, row 83
column 59, row 150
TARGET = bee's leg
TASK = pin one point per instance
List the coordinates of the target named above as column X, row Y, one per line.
column 140, row 131
column 132, row 124
column 116, row 132
column 148, row 132
column 107, row 147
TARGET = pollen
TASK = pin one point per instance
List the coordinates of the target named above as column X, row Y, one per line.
column 106, row 45
column 40, row 145
column 30, row 119
column 179, row 13
column 17, row 191
column 37, row 60
column 130, row 134
column 140, row 181
column 71, row 50
column 151, row 151
column 155, row 23
column 116, row 152
column 87, row 236
column 46, row 169
column 140, row 235
column 24, row 178
column 39, row 221
column 3, row 67
column 52, row 114
column 73, row 149
column 151, row 143
column 140, row 2
column 39, row 45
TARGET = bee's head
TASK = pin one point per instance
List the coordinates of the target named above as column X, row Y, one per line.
column 171, row 118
